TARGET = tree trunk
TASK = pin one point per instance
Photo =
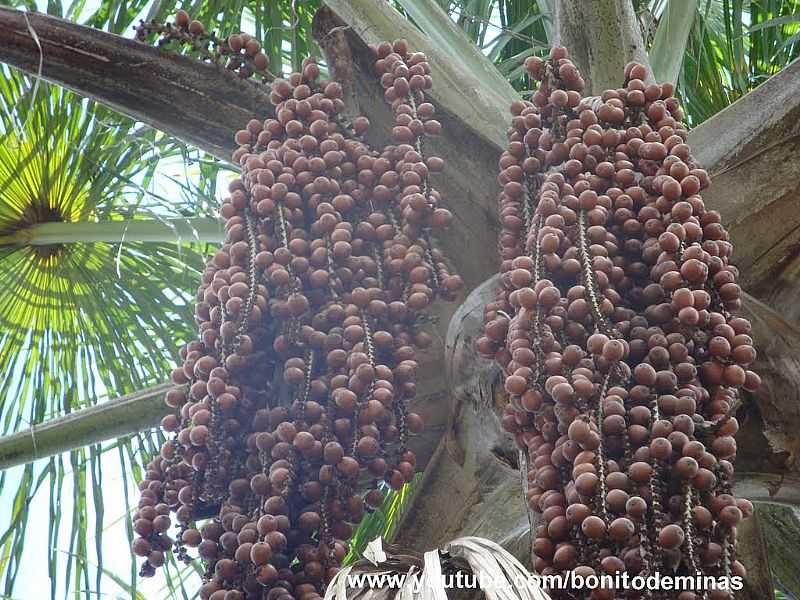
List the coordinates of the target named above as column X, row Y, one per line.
column 602, row 36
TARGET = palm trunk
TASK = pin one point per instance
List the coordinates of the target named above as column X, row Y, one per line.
column 602, row 36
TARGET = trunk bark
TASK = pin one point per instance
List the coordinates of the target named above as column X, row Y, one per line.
column 602, row 36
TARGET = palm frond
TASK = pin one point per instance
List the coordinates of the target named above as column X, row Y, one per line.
column 505, row 31
column 733, row 47
column 384, row 521
column 79, row 321
column 669, row 46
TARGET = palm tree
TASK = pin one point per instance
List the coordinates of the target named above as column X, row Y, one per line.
column 91, row 313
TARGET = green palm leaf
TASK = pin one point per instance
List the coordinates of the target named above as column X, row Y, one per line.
column 84, row 321
column 384, row 521
column 733, row 47
column 669, row 46
column 79, row 321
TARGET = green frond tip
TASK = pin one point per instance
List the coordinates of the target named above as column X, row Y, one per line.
column 384, row 521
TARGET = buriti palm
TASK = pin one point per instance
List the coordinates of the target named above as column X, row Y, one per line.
column 473, row 118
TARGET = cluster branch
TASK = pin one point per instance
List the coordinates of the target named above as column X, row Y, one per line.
column 201, row 103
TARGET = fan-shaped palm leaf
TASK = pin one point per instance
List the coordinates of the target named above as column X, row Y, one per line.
column 78, row 321
column 82, row 321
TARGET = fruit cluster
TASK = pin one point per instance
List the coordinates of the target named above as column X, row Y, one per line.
column 292, row 406
column 614, row 330
column 239, row 52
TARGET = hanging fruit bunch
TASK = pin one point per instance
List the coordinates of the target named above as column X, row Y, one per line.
column 293, row 403
column 614, row 328
column 239, row 52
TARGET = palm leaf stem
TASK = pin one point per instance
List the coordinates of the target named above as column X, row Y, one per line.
column 199, row 229
column 135, row 412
